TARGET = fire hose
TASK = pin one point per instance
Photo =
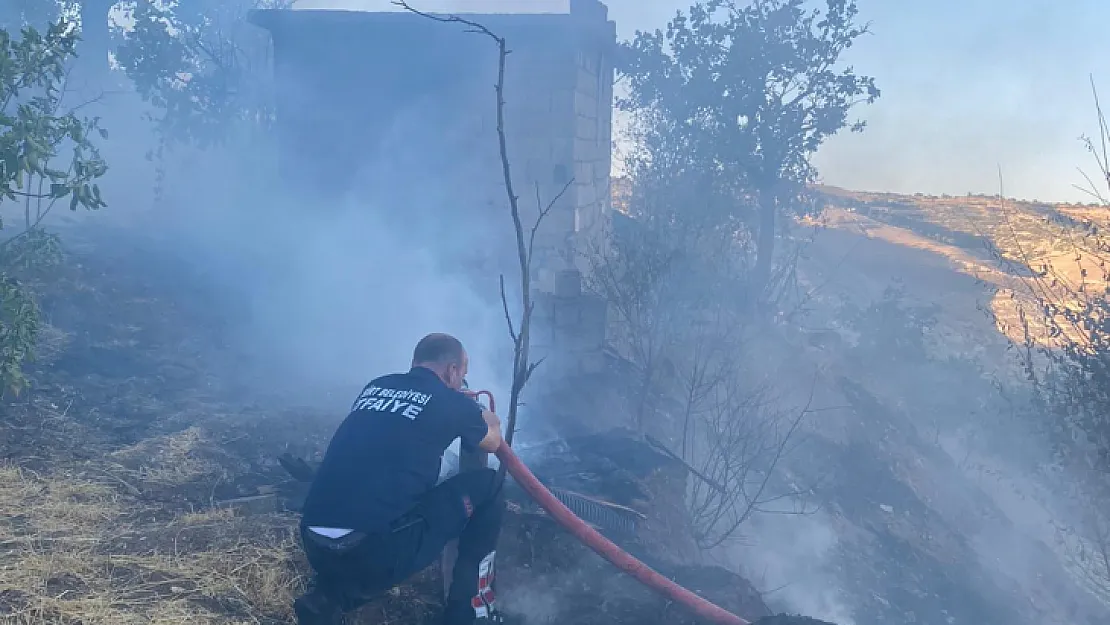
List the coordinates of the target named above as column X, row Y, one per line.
column 603, row 546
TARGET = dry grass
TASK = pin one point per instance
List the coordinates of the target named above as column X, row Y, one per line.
column 172, row 460
column 1024, row 234
column 76, row 549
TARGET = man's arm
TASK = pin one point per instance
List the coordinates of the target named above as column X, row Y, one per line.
column 492, row 439
column 476, row 426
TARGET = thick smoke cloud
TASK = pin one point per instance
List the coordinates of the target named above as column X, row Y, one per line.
column 319, row 294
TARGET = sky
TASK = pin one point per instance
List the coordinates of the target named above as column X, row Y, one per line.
column 968, row 87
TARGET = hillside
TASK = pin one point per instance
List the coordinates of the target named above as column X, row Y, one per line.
column 1001, row 242
column 139, row 482
column 907, row 320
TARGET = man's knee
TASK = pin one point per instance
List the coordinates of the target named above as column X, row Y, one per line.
column 479, row 484
column 492, row 494
column 482, row 496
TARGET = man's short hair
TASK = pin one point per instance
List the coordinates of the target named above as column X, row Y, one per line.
column 438, row 348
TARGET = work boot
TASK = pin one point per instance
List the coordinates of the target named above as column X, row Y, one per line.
column 462, row 613
column 315, row 609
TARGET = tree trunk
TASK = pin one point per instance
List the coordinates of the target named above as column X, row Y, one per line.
column 765, row 243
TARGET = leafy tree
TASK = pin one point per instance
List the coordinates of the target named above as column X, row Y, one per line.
column 198, row 63
column 46, row 156
column 89, row 16
column 733, row 101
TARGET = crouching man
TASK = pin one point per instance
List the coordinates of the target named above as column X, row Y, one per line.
column 374, row 515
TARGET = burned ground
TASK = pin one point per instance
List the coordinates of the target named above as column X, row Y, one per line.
column 119, row 463
column 140, row 427
column 139, row 482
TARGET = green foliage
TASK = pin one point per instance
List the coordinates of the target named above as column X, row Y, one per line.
column 34, row 131
column 1076, row 388
column 730, row 102
column 46, row 156
column 753, row 90
column 31, row 250
column 199, row 63
column 1064, row 349
column 1068, row 362
column 19, row 329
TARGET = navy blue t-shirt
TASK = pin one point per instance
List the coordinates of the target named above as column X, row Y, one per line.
column 387, row 452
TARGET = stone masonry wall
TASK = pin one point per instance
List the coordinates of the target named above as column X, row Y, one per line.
column 569, row 142
column 593, row 119
column 568, row 128
column 570, row 325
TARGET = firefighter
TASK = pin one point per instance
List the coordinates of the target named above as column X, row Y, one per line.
column 374, row 515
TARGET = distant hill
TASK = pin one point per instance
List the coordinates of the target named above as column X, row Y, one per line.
column 999, row 241
column 910, row 300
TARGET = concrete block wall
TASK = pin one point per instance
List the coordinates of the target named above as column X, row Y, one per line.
column 543, row 155
column 559, row 110
column 572, row 322
column 540, row 153
column 593, row 125
column 569, row 329
column 569, row 138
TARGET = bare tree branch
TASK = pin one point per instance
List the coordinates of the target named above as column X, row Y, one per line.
column 520, row 333
column 505, row 307
column 744, row 444
column 693, row 471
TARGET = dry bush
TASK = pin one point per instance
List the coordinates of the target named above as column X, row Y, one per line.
column 1086, row 549
column 681, row 322
column 742, row 436
column 1064, row 349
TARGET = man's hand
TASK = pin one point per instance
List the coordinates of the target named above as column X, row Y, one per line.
column 492, row 439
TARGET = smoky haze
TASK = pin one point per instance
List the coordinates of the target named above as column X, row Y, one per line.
column 968, row 88
column 326, row 274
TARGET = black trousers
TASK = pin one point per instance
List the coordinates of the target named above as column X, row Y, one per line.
column 354, row 569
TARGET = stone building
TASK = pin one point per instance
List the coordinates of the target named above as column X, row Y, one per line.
column 347, row 81
column 400, row 107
